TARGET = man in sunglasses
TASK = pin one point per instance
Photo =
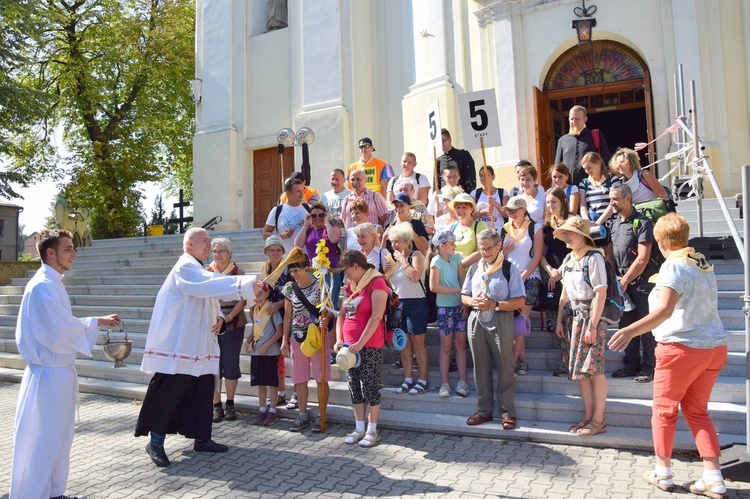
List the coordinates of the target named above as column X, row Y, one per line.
column 378, row 172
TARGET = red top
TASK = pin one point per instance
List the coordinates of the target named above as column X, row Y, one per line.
column 358, row 311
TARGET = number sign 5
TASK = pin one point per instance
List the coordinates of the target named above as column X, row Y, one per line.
column 479, row 119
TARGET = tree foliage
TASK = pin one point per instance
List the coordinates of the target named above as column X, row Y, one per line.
column 118, row 71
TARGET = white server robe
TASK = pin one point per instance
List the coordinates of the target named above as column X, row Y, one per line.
column 179, row 337
column 48, row 338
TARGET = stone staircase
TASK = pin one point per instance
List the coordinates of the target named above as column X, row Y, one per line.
column 123, row 276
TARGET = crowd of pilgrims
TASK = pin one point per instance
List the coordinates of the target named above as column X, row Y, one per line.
column 478, row 260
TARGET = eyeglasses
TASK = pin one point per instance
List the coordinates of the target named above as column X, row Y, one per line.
column 317, row 215
column 365, row 146
column 220, row 252
column 487, row 249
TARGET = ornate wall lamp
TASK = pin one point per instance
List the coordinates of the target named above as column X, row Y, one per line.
column 585, row 25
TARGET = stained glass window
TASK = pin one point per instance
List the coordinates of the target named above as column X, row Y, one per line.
column 596, row 64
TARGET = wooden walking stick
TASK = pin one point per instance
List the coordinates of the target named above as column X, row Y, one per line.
column 487, row 184
column 323, row 391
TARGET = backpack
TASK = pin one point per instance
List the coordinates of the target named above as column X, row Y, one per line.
column 393, row 312
column 278, row 209
column 614, row 303
column 478, row 193
column 596, row 135
column 392, row 182
column 669, row 204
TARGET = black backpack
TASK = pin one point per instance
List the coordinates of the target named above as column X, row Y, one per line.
column 503, row 233
column 614, row 304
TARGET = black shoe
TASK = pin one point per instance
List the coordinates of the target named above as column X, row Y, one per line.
column 209, row 446
column 218, row 414
column 624, row 372
column 231, row 414
column 157, row 455
column 644, row 377
column 452, row 367
column 69, row 497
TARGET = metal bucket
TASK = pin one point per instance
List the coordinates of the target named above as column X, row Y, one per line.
column 117, row 351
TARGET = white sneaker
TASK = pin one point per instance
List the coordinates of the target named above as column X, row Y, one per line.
column 462, row 388
column 445, row 390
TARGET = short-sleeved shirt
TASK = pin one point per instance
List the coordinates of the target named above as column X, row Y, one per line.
column 466, row 237
column 695, row 321
column 597, row 198
column 483, row 203
column 358, row 311
column 334, row 201
column 300, row 315
column 522, row 253
column 377, row 258
column 374, row 201
column 573, row 280
column 313, row 236
column 291, row 217
column 311, row 194
column 418, row 180
column 626, row 236
column 498, row 288
column 448, row 277
column 375, row 170
column 268, row 332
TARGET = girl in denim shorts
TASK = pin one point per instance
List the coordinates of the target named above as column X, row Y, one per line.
column 446, row 277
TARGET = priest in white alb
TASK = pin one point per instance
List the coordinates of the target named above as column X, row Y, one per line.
column 182, row 351
column 48, row 338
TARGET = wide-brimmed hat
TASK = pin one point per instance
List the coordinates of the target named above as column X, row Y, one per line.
column 443, row 237
column 463, row 198
column 347, row 360
column 402, row 198
column 577, row 225
column 515, row 203
column 273, row 240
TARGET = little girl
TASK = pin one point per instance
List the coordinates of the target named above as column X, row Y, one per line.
column 262, row 344
column 446, row 276
column 560, row 176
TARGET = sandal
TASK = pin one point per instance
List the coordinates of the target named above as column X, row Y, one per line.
column 592, row 429
column 418, row 388
column 405, row 387
column 652, row 478
column 353, row 437
column 707, row 489
column 509, row 423
column 370, row 439
column 579, row 425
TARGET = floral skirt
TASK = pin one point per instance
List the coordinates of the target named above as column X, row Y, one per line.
column 586, row 360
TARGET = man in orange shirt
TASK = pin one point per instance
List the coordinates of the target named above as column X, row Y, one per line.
column 378, row 172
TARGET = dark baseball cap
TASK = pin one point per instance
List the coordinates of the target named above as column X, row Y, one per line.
column 365, row 140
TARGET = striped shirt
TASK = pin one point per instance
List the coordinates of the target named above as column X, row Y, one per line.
column 597, row 198
column 374, row 200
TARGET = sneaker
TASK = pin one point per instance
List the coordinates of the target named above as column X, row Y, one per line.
column 397, row 364
column 271, row 419
column 260, row 418
column 523, row 368
column 281, row 400
column 299, row 424
column 462, row 388
column 316, row 425
column 218, row 415
column 445, row 390
column 333, row 357
column 292, row 403
column 231, row 413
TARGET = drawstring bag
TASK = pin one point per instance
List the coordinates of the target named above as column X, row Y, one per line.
column 522, row 325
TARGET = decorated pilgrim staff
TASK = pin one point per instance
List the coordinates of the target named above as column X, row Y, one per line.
column 182, row 351
column 48, row 338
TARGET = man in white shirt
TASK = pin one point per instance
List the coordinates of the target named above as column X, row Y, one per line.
column 182, row 351
column 287, row 219
column 420, row 182
column 333, row 200
column 48, row 338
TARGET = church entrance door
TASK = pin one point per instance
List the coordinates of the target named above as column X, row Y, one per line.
column 267, row 180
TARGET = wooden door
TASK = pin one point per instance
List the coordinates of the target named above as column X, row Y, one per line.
column 545, row 146
column 649, row 121
column 267, row 180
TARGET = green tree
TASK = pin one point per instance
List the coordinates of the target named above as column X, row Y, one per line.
column 118, row 70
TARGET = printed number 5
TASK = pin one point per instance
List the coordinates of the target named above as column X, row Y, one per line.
column 433, row 126
column 475, row 111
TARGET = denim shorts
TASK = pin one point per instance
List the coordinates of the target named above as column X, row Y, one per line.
column 450, row 320
column 414, row 320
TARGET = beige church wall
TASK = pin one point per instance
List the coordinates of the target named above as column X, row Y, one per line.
column 215, row 178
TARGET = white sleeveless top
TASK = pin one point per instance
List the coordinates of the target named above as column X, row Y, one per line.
column 405, row 287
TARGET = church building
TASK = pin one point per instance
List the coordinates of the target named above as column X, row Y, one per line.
column 349, row 69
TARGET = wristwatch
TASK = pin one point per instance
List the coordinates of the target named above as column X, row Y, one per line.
column 497, row 306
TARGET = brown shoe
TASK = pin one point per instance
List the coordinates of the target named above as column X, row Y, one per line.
column 478, row 419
